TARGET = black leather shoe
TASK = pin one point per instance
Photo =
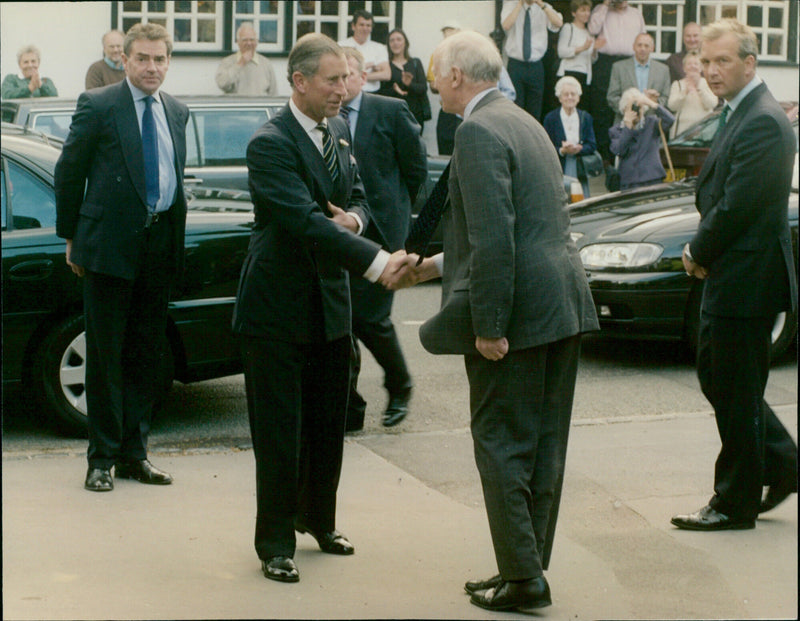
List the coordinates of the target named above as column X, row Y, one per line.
column 533, row 593
column 98, row 480
column 143, row 471
column 775, row 495
column 280, row 568
column 473, row 586
column 709, row 519
column 332, row 542
column 397, row 409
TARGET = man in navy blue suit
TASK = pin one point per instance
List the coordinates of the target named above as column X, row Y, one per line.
column 120, row 206
column 743, row 252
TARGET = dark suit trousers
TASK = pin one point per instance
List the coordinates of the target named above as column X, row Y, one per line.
column 528, row 80
column 733, row 367
column 521, row 408
column 296, row 402
column 125, row 350
column 602, row 114
column 372, row 325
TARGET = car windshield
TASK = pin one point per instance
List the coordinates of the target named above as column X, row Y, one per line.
column 699, row 134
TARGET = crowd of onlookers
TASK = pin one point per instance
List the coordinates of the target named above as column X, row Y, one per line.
column 613, row 102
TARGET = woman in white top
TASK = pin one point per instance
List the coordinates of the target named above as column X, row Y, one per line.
column 577, row 49
column 690, row 98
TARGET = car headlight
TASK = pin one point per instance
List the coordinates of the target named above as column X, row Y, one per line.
column 620, row 255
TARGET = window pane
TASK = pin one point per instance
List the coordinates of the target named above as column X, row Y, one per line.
column 183, row 30
column 268, row 31
column 269, row 8
column 775, row 44
column 183, row 7
column 669, row 41
column 730, row 10
column 131, row 6
column 352, row 7
column 708, row 14
column 330, row 7
column 305, row 7
column 304, row 27
column 650, row 12
column 128, row 23
column 380, row 32
column 192, row 156
column 775, row 17
column 331, row 29
column 208, row 6
column 755, row 16
column 206, row 31
column 161, row 21
column 33, row 204
column 669, row 15
column 225, row 134
column 157, row 7
column 245, row 7
column 380, row 9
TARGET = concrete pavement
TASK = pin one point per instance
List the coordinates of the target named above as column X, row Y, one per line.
column 185, row 551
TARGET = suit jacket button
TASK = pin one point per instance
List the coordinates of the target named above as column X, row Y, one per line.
column 119, row 179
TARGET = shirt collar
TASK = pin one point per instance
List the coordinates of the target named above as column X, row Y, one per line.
column 476, row 100
column 253, row 60
column 112, row 64
column 642, row 66
column 306, row 122
column 355, row 103
column 734, row 103
column 139, row 94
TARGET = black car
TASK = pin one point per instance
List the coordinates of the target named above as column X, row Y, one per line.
column 631, row 243
column 43, row 340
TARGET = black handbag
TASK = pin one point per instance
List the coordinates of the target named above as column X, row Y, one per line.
column 612, row 179
column 592, row 164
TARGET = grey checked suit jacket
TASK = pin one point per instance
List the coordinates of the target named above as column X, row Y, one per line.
column 510, row 266
column 623, row 77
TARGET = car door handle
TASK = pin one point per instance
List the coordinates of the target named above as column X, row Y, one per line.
column 32, row 270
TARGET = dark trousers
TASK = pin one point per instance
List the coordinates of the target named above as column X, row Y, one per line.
column 446, row 126
column 602, row 114
column 733, row 367
column 528, row 80
column 520, row 415
column 296, row 402
column 372, row 325
column 125, row 351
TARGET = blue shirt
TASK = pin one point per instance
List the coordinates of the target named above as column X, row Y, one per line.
column 352, row 117
column 734, row 103
column 167, row 177
column 642, row 74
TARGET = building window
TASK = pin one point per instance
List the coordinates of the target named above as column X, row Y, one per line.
column 769, row 19
column 664, row 21
column 210, row 26
column 195, row 26
column 333, row 18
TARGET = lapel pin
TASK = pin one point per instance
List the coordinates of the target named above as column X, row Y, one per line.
column 343, row 142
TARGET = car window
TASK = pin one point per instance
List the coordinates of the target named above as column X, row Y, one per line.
column 699, row 135
column 222, row 135
column 33, row 204
column 52, row 123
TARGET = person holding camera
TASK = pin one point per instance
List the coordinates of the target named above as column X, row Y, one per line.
column 636, row 140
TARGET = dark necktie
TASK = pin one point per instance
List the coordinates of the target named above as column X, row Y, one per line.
column 723, row 118
column 344, row 112
column 526, row 36
column 150, row 149
column 429, row 217
column 328, row 152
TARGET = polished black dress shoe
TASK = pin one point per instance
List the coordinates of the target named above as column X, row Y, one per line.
column 98, row 480
column 280, row 568
column 473, row 586
column 775, row 495
column 143, row 471
column 526, row 595
column 397, row 409
column 709, row 519
column 332, row 542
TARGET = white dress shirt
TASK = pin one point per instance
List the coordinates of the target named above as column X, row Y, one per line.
column 540, row 24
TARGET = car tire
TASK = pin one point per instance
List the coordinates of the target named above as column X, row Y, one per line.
column 782, row 332
column 59, row 373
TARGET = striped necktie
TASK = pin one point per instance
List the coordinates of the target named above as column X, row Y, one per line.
column 328, row 152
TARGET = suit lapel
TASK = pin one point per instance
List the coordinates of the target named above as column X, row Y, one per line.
column 130, row 138
column 309, row 153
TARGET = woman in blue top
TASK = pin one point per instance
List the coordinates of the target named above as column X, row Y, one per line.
column 571, row 130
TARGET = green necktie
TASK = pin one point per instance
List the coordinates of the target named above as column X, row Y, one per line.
column 723, row 117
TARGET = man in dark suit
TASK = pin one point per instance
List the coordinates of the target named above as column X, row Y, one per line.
column 742, row 249
column 392, row 164
column 293, row 306
column 515, row 301
column 121, row 208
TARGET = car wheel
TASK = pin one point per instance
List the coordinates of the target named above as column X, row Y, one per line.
column 59, row 372
column 60, row 375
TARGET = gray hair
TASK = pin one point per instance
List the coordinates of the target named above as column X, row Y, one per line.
column 112, row 31
column 149, row 31
column 351, row 52
column 244, row 25
column 474, row 54
column 29, row 49
column 748, row 43
column 568, row 80
column 308, row 51
column 629, row 94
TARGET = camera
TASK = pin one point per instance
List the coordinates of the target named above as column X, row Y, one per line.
column 635, row 108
